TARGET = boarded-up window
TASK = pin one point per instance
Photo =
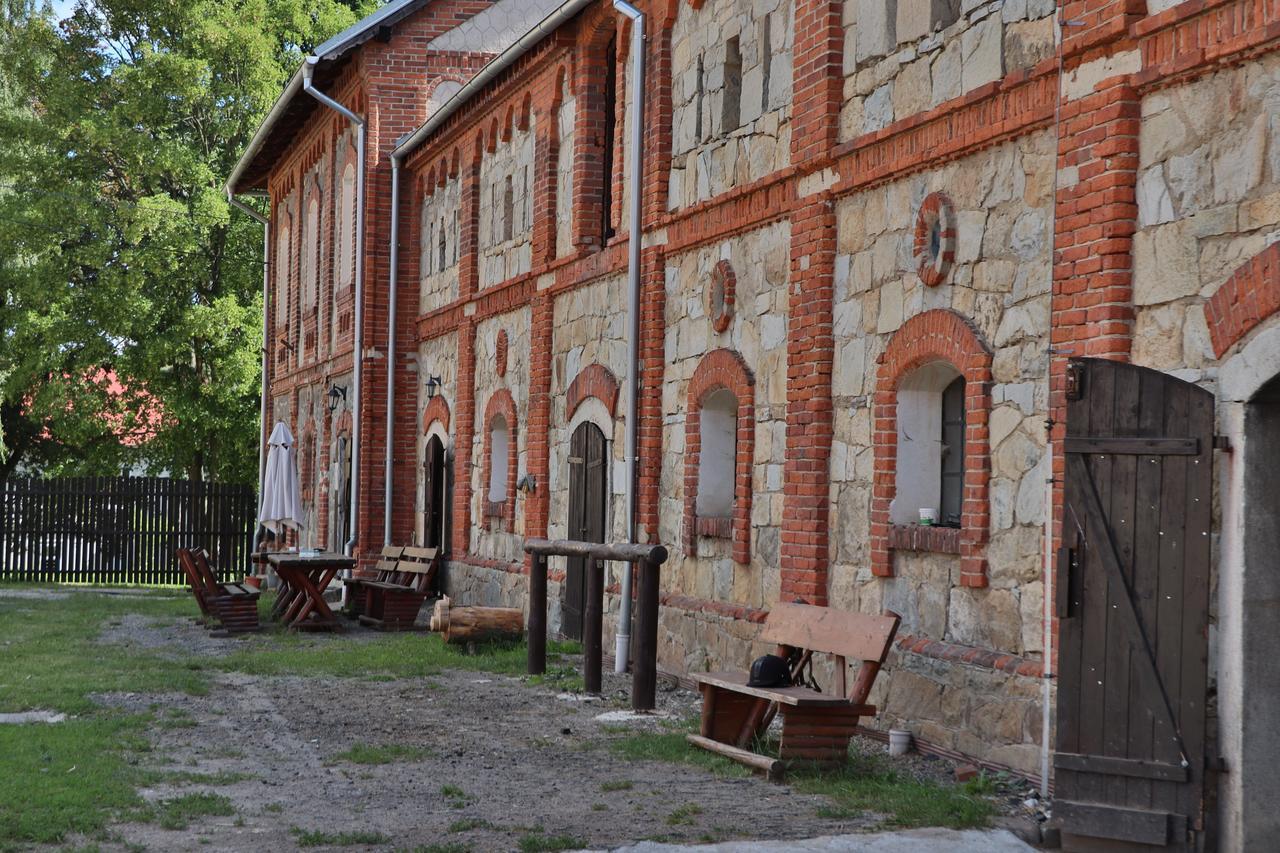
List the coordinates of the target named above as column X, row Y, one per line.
column 347, row 227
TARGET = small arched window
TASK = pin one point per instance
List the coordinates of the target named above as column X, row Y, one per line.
column 718, row 454
column 282, row 266
column 428, row 238
column 499, row 443
column 930, row 459
column 347, row 227
column 311, row 255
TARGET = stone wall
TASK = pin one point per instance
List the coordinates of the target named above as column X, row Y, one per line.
column 904, row 57
column 1208, row 200
column 489, row 539
column 711, row 151
column 440, row 214
column 509, row 166
column 757, row 331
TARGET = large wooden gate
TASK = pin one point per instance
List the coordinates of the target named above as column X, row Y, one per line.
column 588, row 493
column 1133, row 600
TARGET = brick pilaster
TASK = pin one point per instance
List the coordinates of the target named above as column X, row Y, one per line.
column 817, row 77
column 464, row 434
column 810, row 354
column 537, row 444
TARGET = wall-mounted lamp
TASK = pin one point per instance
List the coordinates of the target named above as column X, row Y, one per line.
column 337, row 393
column 284, row 342
column 433, row 385
column 527, row 483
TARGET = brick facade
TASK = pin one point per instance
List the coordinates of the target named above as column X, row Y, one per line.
column 1053, row 172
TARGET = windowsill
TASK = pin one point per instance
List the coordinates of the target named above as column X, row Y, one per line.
column 715, row 527
column 919, row 537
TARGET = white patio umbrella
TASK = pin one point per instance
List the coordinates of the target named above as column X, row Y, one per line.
column 281, row 493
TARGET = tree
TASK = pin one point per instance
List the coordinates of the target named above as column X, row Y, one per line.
column 122, row 258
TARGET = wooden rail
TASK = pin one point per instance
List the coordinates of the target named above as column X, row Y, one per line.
column 648, row 559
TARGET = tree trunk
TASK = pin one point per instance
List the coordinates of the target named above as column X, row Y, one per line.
column 470, row 624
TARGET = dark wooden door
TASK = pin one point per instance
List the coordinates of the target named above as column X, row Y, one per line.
column 1133, row 600
column 433, row 494
column 588, row 494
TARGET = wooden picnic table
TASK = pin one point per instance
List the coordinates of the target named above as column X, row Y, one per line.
column 300, row 600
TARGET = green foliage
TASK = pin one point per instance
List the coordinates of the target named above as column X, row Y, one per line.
column 537, row 842
column 178, row 812
column 122, row 255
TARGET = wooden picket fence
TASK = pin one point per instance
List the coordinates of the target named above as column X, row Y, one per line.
column 120, row 530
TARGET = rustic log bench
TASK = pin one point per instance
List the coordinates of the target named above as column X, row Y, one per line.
column 816, row 727
column 357, row 597
column 393, row 604
column 234, row 606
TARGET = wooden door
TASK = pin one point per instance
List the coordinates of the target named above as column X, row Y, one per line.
column 1133, row 600
column 433, row 494
column 588, row 494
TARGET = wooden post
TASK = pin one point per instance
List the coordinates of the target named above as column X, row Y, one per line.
column 644, row 677
column 537, row 662
column 593, row 626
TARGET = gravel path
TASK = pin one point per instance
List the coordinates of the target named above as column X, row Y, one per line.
column 493, row 760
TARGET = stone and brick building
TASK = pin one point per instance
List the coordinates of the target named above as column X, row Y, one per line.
column 874, row 231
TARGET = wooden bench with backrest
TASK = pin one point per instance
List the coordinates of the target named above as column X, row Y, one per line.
column 233, row 605
column 816, row 726
column 393, row 604
column 358, row 593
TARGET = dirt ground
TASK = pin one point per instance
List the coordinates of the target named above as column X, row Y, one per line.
column 497, row 760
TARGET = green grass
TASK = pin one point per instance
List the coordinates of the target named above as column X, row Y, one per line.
column 186, row 777
column 318, row 838
column 467, row 824
column 616, row 785
column 178, row 812
column 869, row 784
column 671, row 747
column 363, row 753
column 450, row 847
column 537, row 842
column 684, row 814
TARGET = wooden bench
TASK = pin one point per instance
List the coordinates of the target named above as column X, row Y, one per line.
column 233, row 605
column 816, row 727
column 393, row 604
column 358, row 594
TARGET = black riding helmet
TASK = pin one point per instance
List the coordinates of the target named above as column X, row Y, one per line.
column 769, row 671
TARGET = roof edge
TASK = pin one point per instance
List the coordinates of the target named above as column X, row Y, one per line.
column 492, row 69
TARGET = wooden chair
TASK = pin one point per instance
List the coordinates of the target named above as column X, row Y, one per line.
column 393, row 604
column 816, row 727
column 357, row 591
column 233, row 605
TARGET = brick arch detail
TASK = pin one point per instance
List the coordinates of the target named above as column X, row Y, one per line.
column 1249, row 296
column 437, row 410
column 500, row 403
column 721, row 369
column 937, row 335
column 594, row 380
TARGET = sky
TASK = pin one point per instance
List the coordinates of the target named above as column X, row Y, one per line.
column 62, row 8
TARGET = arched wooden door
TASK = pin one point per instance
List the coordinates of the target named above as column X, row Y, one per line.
column 588, row 496
column 434, row 490
column 340, row 528
column 1133, row 600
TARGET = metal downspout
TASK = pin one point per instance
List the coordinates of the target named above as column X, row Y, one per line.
column 635, row 162
column 266, row 296
column 308, row 69
column 394, row 280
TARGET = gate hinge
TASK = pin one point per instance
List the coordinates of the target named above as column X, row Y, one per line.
column 1215, row 764
column 1221, row 442
column 1075, row 381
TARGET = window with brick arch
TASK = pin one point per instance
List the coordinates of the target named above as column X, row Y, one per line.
column 347, row 227
column 311, row 255
column 499, row 442
column 931, row 437
column 718, row 454
column 282, row 266
column 610, row 133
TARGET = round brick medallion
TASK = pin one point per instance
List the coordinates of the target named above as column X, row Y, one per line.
column 935, row 242
column 720, row 295
column 501, row 352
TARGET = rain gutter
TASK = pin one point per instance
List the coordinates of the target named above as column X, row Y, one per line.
column 635, row 157
column 393, row 288
column 308, row 69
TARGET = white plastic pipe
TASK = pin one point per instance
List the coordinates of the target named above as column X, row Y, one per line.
column 635, row 150
column 308, row 69
column 393, row 289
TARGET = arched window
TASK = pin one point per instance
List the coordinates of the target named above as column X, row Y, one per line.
column 282, row 266
column 311, row 255
column 717, row 454
column 930, row 444
column 930, row 458
column 610, row 134
column 428, row 238
column 347, row 227
column 499, row 445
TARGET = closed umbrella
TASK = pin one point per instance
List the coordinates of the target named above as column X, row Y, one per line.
column 281, row 493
